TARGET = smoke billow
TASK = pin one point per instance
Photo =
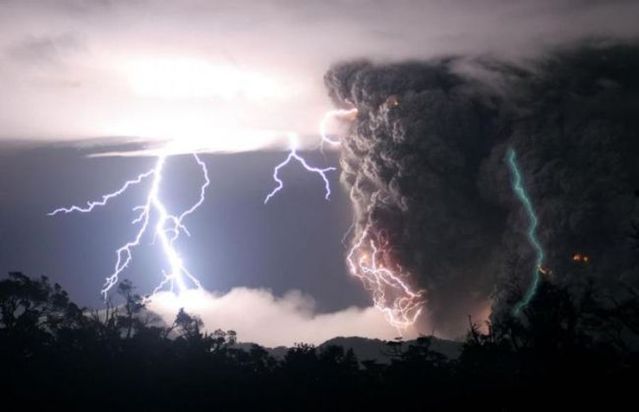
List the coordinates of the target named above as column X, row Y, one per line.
column 424, row 163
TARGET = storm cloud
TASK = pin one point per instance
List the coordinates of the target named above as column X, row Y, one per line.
column 69, row 68
column 425, row 166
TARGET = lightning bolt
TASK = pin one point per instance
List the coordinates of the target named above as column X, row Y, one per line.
column 293, row 155
column 520, row 191
column 167, row 227
column 391, row 294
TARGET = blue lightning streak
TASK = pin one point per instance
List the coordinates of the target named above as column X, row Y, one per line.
column 294, row 156
column 167, row 227
column 518, row 188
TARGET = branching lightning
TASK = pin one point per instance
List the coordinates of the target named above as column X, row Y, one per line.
column 293, row 155
column 391, row 294
column 167, row 228
column 520, row 191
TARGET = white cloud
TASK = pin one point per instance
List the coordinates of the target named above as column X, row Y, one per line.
column 65, row 66
column 260, row 317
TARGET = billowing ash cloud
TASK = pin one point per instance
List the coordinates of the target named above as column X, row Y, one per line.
column 576, row 130
column 425, row 165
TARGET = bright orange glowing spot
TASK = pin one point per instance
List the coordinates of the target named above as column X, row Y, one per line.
column 578, row 257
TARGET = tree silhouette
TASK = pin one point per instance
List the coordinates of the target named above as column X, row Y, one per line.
column 124, row 358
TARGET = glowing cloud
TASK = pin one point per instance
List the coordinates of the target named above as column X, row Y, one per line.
column 188, row 78
column 259, row 316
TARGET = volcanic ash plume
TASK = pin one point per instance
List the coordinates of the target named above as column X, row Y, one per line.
column 425, row 166
column 411, row 164
column 575, row 127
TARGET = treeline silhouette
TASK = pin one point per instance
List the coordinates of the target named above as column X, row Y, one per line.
column 558, row 353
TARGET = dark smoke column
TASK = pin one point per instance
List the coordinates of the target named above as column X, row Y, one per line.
column 574, row 124
column 425, row 163
column 411, row 163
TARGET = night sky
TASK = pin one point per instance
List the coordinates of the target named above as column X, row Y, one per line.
column 234, row 80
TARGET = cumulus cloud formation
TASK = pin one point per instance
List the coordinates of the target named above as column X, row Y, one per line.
column 260, row 317
column 424, row 163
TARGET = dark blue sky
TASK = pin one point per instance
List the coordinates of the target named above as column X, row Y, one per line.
column 294, row 242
